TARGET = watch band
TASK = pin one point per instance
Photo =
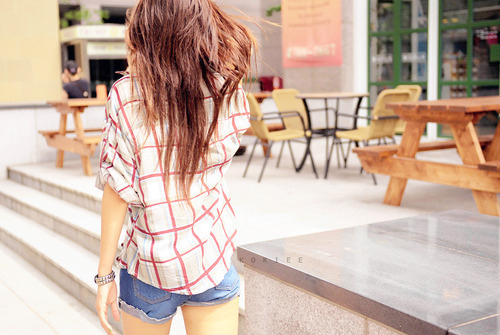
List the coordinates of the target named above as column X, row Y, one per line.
column 104, row 279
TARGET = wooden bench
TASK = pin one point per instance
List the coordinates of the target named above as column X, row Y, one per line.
column 390, row 150
column 84, row 142
column 490, row 166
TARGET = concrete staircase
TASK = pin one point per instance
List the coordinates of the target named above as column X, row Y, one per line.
column 56, row 229
column 55, row 226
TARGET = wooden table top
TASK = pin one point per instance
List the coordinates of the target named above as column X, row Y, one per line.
column 332, row 95
column 261, row 95
column 461, row 105
column 86, row 102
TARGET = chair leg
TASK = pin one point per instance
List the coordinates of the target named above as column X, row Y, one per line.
column 265, row 160
column 365, row 143
column 281, row 152
column 291, row 154
column 250, row 158
column 346, row 157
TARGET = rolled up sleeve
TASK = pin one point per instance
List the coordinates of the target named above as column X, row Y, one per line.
column 117, row 166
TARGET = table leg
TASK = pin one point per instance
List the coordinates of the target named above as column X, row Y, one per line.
column 407, row 148
column 306, row 153
column 80, row 134
column 62, row 131
column 471, row 153
column 87, row 169
column 492, row 152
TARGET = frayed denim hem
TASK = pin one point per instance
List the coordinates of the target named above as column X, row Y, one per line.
column 136, row 312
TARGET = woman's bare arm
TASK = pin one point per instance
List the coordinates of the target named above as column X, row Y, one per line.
column 113, row 213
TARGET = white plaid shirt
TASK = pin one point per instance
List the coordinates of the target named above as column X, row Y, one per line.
column 170, row 245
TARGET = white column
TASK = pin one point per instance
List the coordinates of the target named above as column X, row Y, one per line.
column 432, row 60
column 360, row 50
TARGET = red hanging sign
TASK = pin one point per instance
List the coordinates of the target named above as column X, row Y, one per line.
column 312, row 33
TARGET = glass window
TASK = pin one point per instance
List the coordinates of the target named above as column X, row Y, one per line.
column 381, row 68
column 374, row 92
column 488, row 123
column 486, row 10
column 482, row 68
column 454, row 11
column 484, row 91
column 414, row 57
column 381, row 15
column 453, row 91
column 454, row 63
column 414, row 14
column 116, row 14
column 103, row 71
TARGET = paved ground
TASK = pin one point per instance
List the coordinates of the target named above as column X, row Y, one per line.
column 284, row 204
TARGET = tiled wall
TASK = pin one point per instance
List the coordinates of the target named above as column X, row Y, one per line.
column 30, row 65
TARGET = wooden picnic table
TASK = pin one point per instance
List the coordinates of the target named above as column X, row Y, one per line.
column 480, row 171
column 84, row 142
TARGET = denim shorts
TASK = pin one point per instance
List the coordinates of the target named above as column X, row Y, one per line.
column 157, row 306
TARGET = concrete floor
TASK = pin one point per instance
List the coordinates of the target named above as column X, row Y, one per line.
column 284, row 204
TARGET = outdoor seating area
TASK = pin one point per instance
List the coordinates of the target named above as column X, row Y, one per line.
column 471, row 174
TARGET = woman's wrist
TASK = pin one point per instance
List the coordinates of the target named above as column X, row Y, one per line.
column 103, row 280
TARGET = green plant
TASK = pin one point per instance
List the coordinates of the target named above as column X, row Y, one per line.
column 271, row 10
column 82, row 14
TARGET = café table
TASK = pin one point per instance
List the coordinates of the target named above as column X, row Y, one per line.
column 331, row 126
column 84, row 142
column 261, row 96
column 480, row 168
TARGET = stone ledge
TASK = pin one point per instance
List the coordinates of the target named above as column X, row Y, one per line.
column 418, row 275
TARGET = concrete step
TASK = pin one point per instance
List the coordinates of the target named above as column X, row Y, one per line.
column 64, row 262
column 33, row 304
column 76, row 189
column 69, row 204
column 71, row 221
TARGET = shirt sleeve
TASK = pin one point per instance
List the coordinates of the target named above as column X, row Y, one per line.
column 117, row 166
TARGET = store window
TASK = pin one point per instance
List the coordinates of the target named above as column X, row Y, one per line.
column 116, row 15
column 397, row 44
column 468, row 30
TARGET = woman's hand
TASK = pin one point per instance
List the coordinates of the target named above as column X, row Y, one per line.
column 107, row 295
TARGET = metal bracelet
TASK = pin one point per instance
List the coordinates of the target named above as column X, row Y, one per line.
column 104, row 279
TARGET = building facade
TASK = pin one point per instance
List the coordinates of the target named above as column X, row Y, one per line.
column 450, row 48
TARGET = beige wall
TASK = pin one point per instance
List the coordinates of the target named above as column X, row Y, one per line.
column 30, row 59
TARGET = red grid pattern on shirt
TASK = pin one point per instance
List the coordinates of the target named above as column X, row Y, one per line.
column 153, row 251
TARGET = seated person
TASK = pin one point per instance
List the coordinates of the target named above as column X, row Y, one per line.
column 73, row 85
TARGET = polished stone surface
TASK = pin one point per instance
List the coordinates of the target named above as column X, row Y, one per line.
column 419, row 275
column 485, row 326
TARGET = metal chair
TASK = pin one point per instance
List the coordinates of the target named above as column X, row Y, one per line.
column 382, row 121
column 416, row 91
column 267, row 138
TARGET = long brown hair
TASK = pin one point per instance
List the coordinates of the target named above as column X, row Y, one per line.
column 175, row 46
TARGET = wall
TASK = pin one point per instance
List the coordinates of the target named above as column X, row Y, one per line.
column 333, row 78
column 30, row 67
column 30, row 54
column 304, row 314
